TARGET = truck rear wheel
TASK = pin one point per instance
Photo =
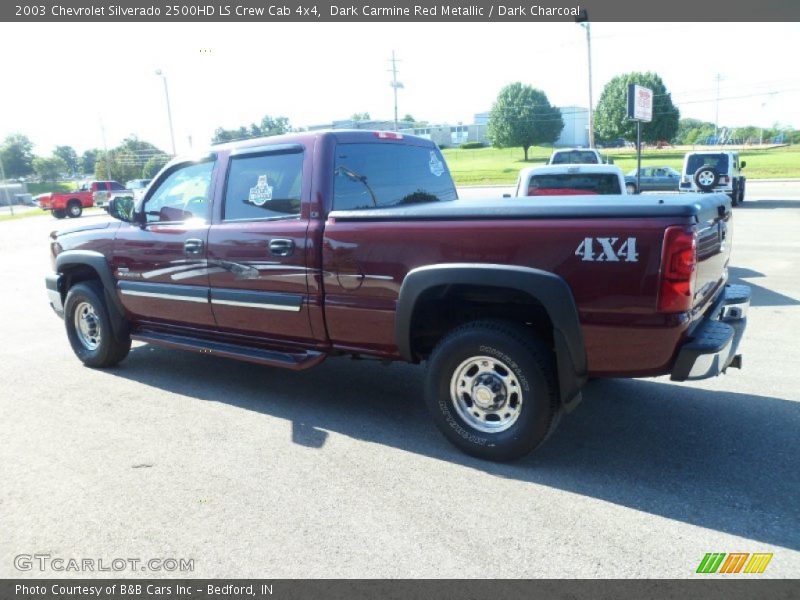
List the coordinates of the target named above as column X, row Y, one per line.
column 491, row 389
column 74, row 209
column 59, row 213
column 89, row 327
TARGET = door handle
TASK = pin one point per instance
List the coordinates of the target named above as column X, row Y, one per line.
column 281, row 247
column 193, row 246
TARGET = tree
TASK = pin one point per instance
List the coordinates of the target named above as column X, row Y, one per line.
column 128, row 160
column 50, row 169
column 611, row 120
column 268, row 126
column 362, row 116
column 523, row 116
column 69, row 156
column 153, row 166
column 16, row 153
column 88, row 159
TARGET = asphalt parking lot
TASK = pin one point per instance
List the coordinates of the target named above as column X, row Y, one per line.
column 338, row 472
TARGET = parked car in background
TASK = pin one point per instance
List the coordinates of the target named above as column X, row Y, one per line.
column 570, row 180
column 71, row 204
column 135, row 188
column 653, row 179
column 138, row 187
column 714, row 171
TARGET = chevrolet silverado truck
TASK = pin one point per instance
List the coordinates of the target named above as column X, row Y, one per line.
column 71, row 204
column 286, row 250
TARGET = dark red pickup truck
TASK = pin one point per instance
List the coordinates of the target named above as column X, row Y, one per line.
column 286, row 250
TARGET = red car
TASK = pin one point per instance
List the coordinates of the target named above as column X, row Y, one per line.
column 71, row 204
column 286, row 250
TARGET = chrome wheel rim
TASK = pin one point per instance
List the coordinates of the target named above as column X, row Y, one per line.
column 705, row 178
column 74, row 209
column 486, row 394
column 87, row 326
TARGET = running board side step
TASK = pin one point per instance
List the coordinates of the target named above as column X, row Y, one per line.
column 296, row 361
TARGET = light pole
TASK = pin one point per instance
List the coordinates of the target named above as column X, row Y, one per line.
column 160, row 73
column 583, row 20
column 397, row 85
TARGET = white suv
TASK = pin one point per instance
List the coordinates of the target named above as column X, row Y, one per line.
column 714, row 171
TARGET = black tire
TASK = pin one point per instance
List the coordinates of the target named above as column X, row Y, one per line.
column 741, row 190
column 59, row 213
column 109, row 349
column 527, row 362
column 74, row 209
column 706, row 177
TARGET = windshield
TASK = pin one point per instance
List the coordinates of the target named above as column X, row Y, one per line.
column 564, row 184
column 574, row 157
column 718, row 161
column 376, row 175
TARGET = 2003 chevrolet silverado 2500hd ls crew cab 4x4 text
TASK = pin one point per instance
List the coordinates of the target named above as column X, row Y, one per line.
column 286, row 250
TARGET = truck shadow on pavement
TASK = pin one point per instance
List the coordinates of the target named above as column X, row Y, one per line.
column 720, row 460
column 761, row 296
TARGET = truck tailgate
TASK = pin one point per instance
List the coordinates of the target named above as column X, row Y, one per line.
column 714, row 233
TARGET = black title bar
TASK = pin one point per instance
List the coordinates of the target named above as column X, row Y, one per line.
column 708, row 11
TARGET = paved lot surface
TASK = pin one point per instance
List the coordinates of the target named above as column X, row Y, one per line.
column 338, row 472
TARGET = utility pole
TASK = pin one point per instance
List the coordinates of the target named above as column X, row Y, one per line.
column 396, row 85
column 105, row 146
column 5, row 188
column 583, row 20
column 160, row 73
column 716, row 118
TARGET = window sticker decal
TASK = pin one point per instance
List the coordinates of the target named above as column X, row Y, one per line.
column 436, row 165
column 261, row 193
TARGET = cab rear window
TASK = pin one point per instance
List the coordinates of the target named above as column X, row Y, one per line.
column 376, row 175
column 574, row 157
column 565, row 184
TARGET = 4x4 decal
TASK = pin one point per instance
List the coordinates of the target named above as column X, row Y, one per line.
column 607, row 249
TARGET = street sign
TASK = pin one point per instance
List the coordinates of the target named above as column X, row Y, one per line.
column 640, row 103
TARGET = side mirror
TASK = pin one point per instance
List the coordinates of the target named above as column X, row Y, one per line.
column 122, row 208
column 743, row 164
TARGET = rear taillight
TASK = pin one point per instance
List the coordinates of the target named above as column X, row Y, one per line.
column 678, row 270
column 724, row 179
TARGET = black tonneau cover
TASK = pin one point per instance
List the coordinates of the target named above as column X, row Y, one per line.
column 701, row 207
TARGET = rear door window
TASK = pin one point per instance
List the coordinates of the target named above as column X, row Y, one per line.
column 264, row 186
column 564, row 184
column 376, row 175
column 718, row 161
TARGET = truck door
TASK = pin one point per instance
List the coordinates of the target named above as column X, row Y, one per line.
column 161, row 268
column 258, row 253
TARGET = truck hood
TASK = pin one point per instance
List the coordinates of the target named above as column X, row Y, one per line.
column 700, row 207
column 66, row 231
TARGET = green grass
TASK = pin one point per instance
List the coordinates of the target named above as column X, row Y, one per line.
column 484, row 166
column 7, row 216
column 43, row 188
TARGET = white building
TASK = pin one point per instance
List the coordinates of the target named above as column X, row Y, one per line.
column 576, row 126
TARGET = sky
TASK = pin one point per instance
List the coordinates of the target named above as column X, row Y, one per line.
column 67, row 84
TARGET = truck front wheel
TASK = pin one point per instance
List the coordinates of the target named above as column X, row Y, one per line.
column 89, row 327
column 74, row 209
column 491, row 389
